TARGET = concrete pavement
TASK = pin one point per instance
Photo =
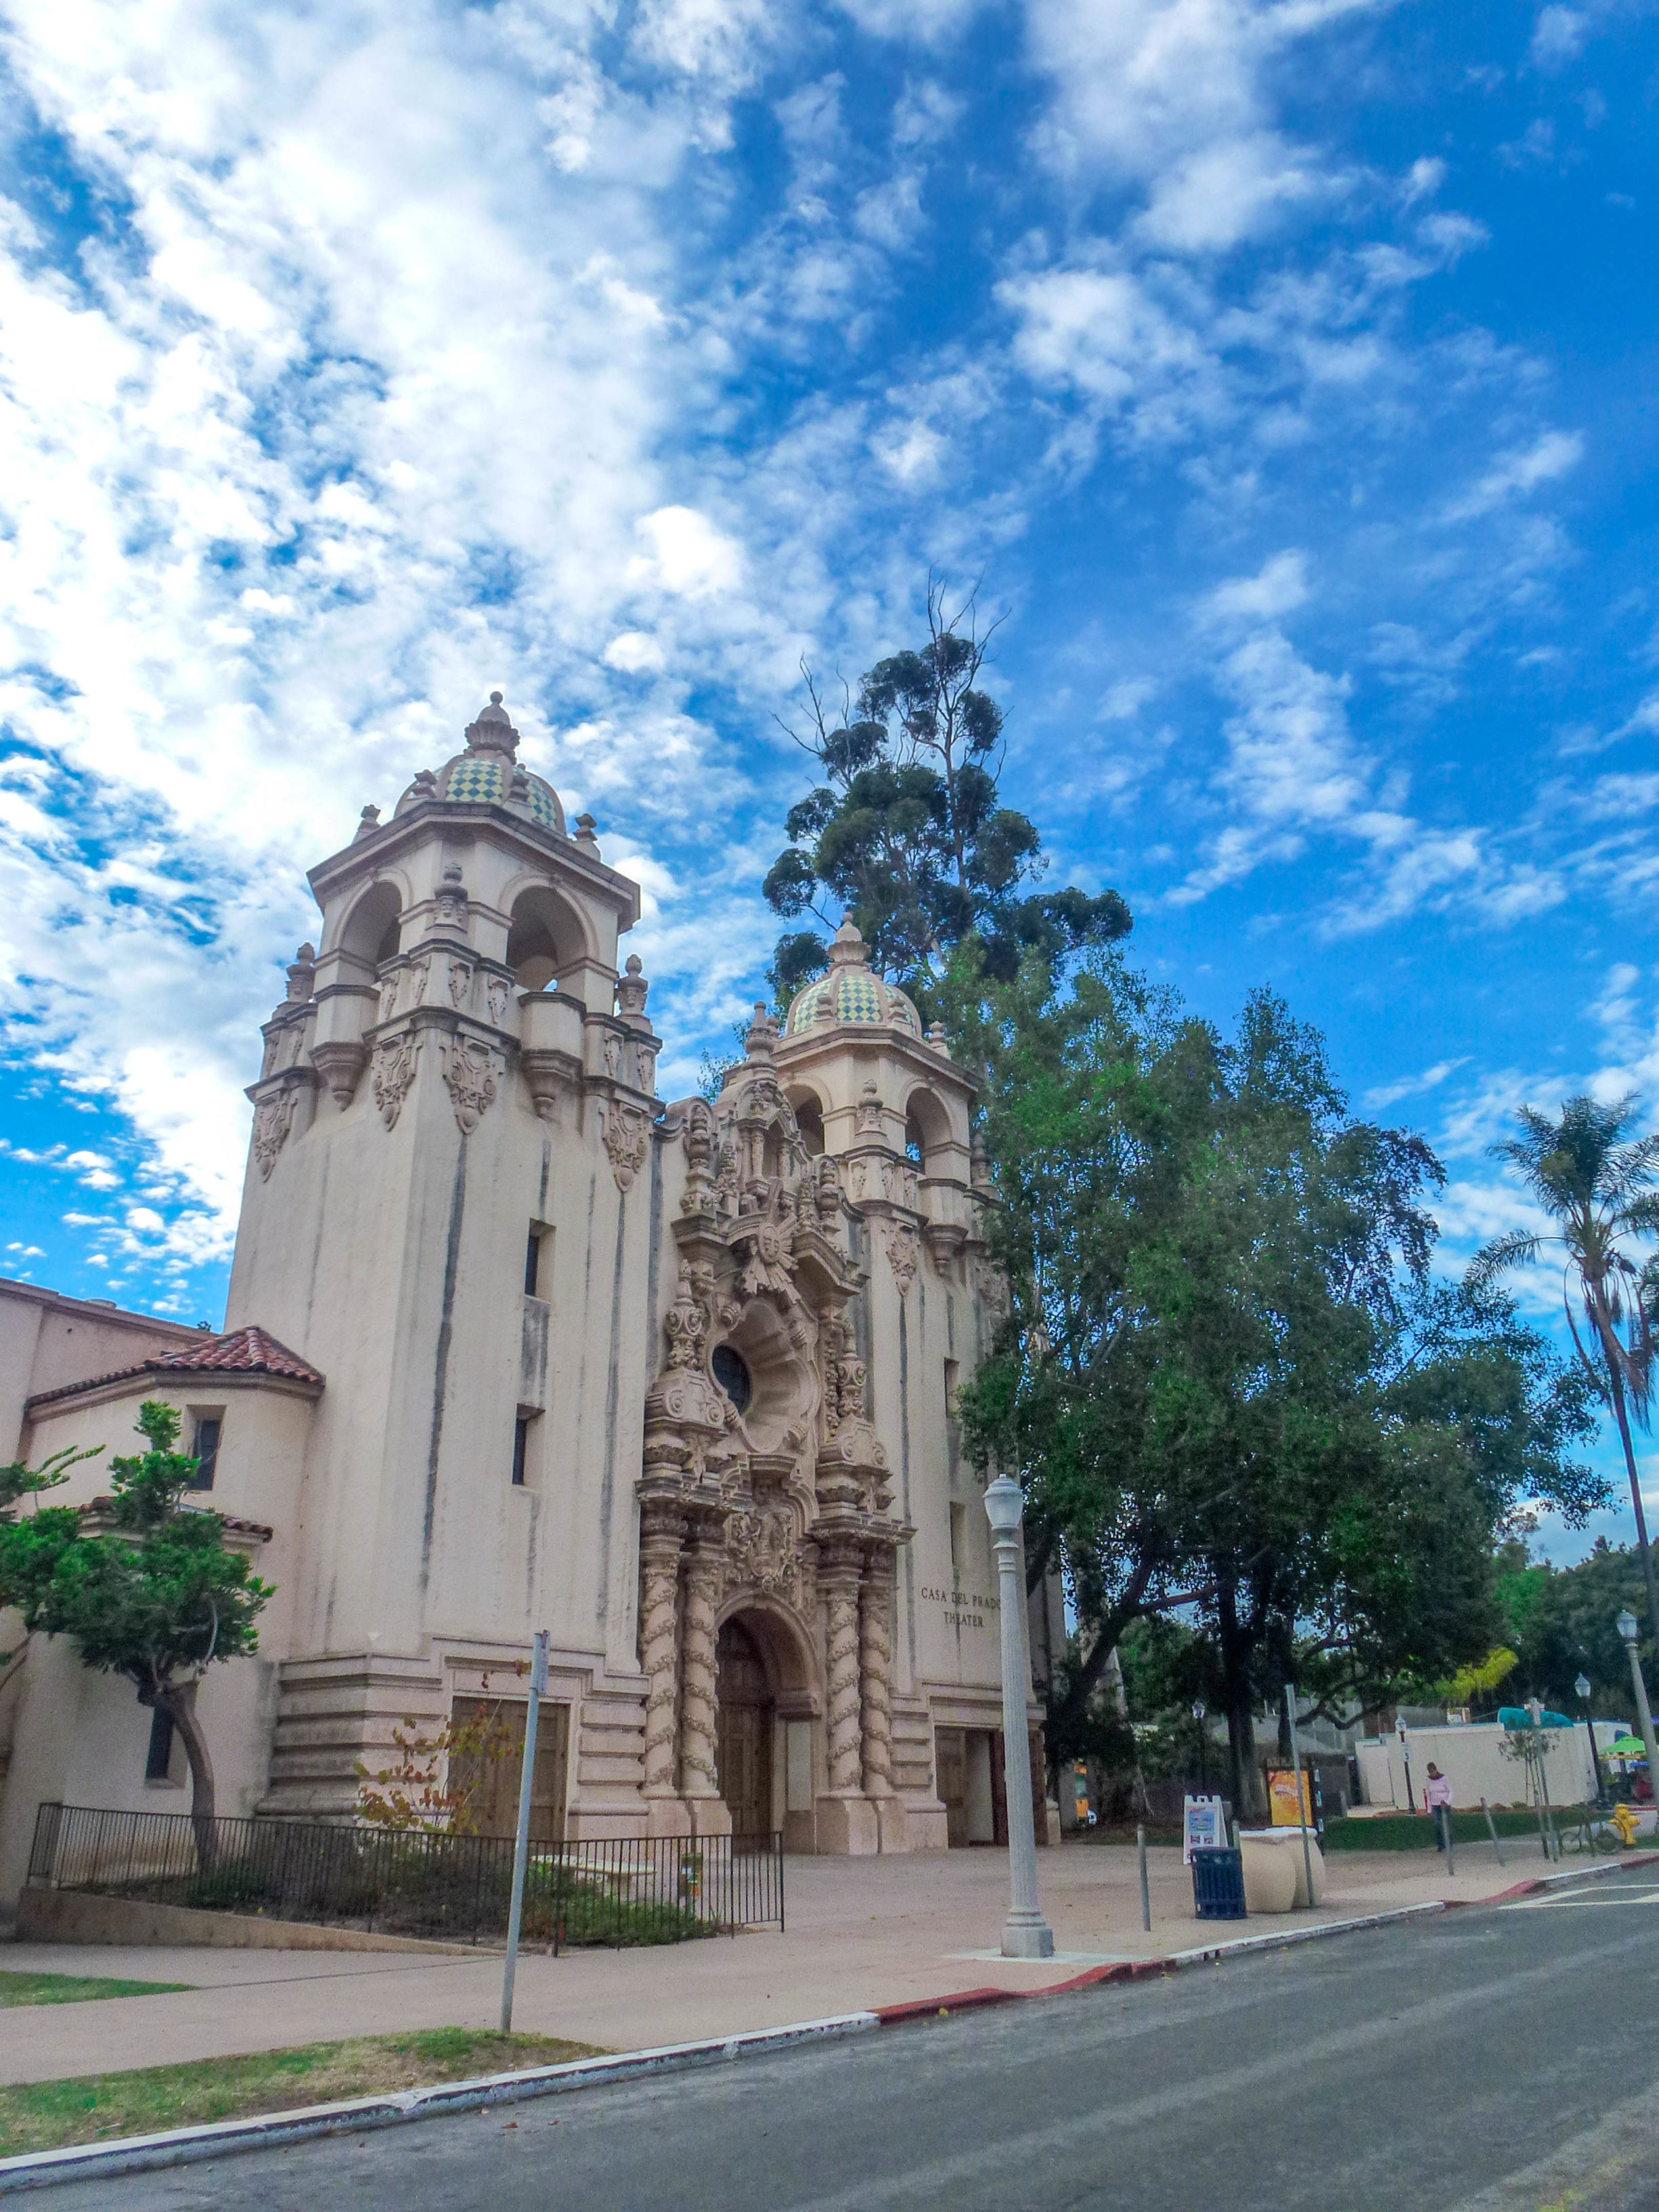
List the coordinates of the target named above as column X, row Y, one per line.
column 861, row 1933
column 1480, row 2062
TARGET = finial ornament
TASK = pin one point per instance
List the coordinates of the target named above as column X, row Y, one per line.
column 493, row 733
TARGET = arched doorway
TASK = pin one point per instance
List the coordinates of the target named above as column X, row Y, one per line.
column 746, row 1713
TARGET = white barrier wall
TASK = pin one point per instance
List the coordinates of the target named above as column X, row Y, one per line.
column 1472, row 1759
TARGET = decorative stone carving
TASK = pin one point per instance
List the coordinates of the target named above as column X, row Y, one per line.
column 838, row 1579
column 903, row 1243
column 899, row 1182
column 645, row 1061
column 302, row 975
column 272, row 1120
column 763, row 1552
column 469, row 1069
column 394, row 1072
column 450, row 902
column 631, row 990
column 418, row 975
column 869, row 1111
column 340, row 1061
column 661, row 1531
column 627, row 1140
column 389, row 984
column 460, row 982
column 612, row 1054
column 273, row 1037
column 499, row 991
column 698, row 1138
column 992, row 1286
column 697, row 1775
column 876, row 1674
column 827, row 1194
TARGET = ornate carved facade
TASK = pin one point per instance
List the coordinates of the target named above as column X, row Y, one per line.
column 671, row 1379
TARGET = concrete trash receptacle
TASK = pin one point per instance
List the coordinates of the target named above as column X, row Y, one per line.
column 1271, row 1880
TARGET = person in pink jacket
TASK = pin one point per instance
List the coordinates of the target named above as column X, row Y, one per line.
column 1437, row 1801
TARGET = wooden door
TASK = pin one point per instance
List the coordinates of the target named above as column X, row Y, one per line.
column 489, row 1766
column 951, row 1781
column 743, row 1721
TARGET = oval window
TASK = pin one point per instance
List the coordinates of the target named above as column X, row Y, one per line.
column 732, row 1376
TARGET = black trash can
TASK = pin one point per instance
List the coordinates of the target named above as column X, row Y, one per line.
column 1218, row 1883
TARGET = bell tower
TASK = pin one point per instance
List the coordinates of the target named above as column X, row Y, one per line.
column 446, row 1212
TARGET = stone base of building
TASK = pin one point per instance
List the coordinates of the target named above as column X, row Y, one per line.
column 847, row 1827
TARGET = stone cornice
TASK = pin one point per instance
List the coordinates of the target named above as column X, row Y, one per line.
column 432, row 819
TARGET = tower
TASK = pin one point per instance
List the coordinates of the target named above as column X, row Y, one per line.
column 445, row 1211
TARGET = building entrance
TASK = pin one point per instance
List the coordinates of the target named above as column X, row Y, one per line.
column 745, row 1718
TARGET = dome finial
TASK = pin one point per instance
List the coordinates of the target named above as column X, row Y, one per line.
column 493, row 733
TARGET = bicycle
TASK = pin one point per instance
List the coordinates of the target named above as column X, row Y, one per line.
column 1607, row 1834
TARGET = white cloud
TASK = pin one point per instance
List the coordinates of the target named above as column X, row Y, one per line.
column 635, row 653
column 1557, row 36
column 1515, row 474
column 689, row 556
column 1279, row 587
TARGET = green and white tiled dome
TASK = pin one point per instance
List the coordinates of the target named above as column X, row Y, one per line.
column 851, row 991
column 489, row 774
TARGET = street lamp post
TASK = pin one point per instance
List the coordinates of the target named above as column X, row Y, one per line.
column 1026, row 1933
column 1582, row 1686
column 1203, row 1763
column 1627, row 1629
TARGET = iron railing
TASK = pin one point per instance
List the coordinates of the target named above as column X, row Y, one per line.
column 615, row 1890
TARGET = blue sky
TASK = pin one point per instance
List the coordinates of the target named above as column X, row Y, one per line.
column 1284, row 371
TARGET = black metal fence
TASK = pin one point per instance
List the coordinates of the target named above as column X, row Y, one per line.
column 615, row 1890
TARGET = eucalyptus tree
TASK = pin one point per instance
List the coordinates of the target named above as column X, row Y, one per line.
column 906, row 829
column 1596, row 1183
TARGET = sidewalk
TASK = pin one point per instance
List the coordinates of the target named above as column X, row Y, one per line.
column 861, row 1933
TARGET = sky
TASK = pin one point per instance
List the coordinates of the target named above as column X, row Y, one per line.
column 1280, row 371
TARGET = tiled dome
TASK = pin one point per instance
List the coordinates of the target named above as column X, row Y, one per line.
column 851, row 991
column 489, row 774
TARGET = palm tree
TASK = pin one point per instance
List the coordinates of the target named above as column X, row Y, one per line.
column 1597, row 1186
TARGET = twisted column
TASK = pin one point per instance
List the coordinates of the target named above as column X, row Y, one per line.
column 838, row 1580
column 698, row 1776
column 876, row 1669
column 661, row 1532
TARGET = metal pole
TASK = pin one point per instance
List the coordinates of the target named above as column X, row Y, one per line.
column 1301, row 1806
column 1025, row 1933
column 1492, row 1830
column 521, row 1842
column 1146, row 1894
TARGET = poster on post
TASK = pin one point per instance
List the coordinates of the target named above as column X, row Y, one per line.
column 1203, row 1826
column 1282, row 1810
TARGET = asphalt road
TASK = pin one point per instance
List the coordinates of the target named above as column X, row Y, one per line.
column 1484, row 2060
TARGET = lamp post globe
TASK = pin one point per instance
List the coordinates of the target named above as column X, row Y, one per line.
column 1626, row 1625
column 1582, row 1690
column 1025, row 1933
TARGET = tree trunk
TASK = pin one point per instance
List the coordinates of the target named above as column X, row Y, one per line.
column 180, row 1705
column 1621, row 1415
column 1241, row 1722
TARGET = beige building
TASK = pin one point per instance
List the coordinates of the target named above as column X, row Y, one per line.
column 510, row 1344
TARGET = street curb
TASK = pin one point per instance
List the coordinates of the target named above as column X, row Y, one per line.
column 189, row 2146
column 1136, row 1970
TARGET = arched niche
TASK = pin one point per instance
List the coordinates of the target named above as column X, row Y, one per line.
column 927, row 1126
column 808, row 1109
column 545, row 938
column 780, row 1381
column 368, row 935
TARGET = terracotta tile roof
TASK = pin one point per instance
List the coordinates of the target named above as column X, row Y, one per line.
column 102, row 1510
column 240, row 1352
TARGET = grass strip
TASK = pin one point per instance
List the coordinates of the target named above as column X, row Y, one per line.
column 1414, row 1832
column 37, row 2116
column 74, row 1989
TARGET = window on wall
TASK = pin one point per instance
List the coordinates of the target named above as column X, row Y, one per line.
column 958, row 1544
column 915, row 1144
column 521, row 1429
column 159, row 1758
column 205, row 1448
column 532, row 1260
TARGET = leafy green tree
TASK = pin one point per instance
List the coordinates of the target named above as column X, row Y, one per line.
column 907, row 832
column 1560, row 1622
column 1597, row 1186
column 1229, row 1386
column 159, row 1599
